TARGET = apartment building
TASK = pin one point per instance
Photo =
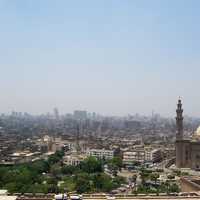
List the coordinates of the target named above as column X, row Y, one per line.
column 100, row 153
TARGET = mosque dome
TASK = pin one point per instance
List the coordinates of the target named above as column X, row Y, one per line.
column 197, row 133
column 46, row 138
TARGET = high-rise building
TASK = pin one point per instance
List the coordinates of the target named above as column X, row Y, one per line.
column 56, row 113
column 80, row 114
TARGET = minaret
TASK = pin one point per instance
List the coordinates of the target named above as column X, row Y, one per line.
column 179, row 136
column 179, row 121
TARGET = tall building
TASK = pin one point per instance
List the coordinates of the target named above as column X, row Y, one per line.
column 56, row 113
column 78, row 149
column 80, row 114
column 187, row 150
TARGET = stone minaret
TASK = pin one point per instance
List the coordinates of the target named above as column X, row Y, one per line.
column 179, row 135
column 179, row 121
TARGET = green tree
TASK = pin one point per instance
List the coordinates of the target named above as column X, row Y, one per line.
column 68, row 169
column 39, row 166
column 55, row 170
column 82, row 183
column 102, row 182
column 55, row 157
column 52, row 181
column 12, row 187
column 91, row 165
column 38, row 188
column 115, row 164
column 117, row 181
column 68, row 185
column 53, row 188
column 154, row 177
column 144, row 175
column 174, row 188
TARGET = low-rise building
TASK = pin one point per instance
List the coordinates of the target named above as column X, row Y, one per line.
column 100, row 153
column 130, row 157
column 141, row 155
column 73, row 160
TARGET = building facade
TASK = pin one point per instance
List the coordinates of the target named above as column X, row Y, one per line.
column 101, row 153
column 130, row 157
column 142, row 155
column 187, row 150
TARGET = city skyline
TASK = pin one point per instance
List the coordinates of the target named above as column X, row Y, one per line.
column 111, row 57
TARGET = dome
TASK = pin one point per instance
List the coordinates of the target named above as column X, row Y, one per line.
column 46, row 138
column 197, row 133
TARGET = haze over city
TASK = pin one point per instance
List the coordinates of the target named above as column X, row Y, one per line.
column 111, row 57
column 99, row 100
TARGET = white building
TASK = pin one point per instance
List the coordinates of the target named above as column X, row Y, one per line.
column 153, row 155
column 73, row 160
column 100, row 153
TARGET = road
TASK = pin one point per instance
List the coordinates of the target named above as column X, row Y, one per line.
column 146, row 198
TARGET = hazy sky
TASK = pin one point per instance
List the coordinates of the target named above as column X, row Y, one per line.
column 110, row 56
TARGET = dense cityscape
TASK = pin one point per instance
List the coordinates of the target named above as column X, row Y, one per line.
column 86, row 153
column 99, row 100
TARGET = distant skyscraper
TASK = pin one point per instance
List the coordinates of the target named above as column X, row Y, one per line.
column 80, row 114
column 78, row 138
column 56, row 113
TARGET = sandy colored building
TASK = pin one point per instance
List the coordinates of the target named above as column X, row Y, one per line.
column 187, row 150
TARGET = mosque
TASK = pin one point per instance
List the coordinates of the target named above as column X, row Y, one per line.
column 187, row 150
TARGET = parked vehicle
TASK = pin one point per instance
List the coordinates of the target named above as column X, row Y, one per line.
column 60, row 197
column 76, row 197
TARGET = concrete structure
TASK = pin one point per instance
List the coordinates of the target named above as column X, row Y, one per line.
column 118, row 197
column 4, row 195
column 130, row 157
column 153, row 155
column 73, row 159
column 100, row 153
column 142, row 155
column 187, row 150
column 190, row 184
column 80, row 114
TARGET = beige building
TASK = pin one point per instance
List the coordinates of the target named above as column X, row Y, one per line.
column 130, row 157
column 187, row 150
column 73, row 160
column 142, row 155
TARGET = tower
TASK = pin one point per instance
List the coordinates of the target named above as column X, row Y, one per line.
column 77, row 138
column 179, row 135
column 56, row 113
column 179, row 121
